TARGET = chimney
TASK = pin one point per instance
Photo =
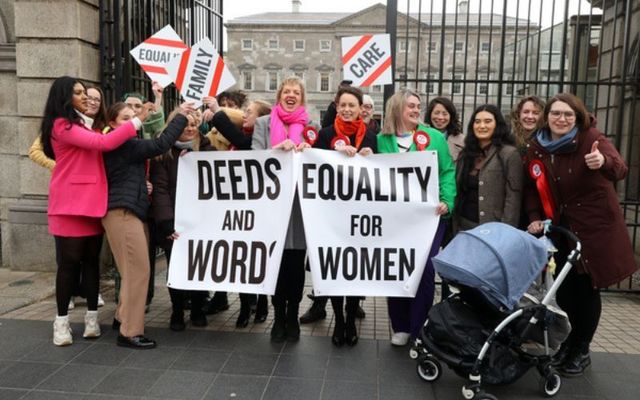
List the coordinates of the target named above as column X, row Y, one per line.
column 463, row 7
column 295, row 6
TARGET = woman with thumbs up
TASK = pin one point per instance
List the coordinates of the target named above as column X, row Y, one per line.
column 572, row 168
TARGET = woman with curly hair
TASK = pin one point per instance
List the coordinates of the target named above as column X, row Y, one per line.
column 526, row 119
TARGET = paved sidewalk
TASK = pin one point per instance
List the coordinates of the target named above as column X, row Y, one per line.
column 222, row 362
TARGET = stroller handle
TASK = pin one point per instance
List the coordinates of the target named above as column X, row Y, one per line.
column 565, row 232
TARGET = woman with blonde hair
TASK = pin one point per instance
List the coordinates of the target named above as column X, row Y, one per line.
column 402, row 121
column 282, row 129
column 526, row 119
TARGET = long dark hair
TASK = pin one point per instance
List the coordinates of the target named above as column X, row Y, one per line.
column 454, row 128
column 59, row 105
column 501, row 136
column 100, row 119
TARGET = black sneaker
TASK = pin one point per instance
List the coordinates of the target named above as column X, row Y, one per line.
column 576, row 364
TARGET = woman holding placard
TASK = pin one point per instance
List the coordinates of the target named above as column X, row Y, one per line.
column 489, row 174
column 403, row 132
column 349, row 135
column 283, row 129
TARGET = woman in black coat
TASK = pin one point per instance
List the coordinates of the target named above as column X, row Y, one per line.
column 124, row 223
column 349, row 135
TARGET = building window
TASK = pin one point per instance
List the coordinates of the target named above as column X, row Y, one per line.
column 325, row 45
column 375, row 89
column 273, row 44
column 299, row 74
column 456, row 85
column 432, row 47
column 247, row 80
column 247, row 44
column 459, row 46
column 508, row 89
column 404, row 45
column 298, row 45
column 324, row 82
column 430, row 86
column 485, row 47
column 483, row 87
column 272, row 81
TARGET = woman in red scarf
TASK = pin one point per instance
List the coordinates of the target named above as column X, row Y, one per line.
column 348, row 134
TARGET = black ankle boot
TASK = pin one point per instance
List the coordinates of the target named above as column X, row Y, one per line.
column 577, row 362
column 279, row 329
column 177, row 321
column 245, row 313
column 262, row 309
column 316, row 312
column 351, row 334
column 293, row 326
column 338, row 333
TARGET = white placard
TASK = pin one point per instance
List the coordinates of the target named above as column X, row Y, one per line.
column 200, row 72
column 154, row 54
column 366, row 60
column 232, row 214
column 369, row 221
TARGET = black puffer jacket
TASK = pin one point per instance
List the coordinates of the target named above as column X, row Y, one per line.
column 126, row 172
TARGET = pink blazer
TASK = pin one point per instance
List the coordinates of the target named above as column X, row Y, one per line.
column 78, row 183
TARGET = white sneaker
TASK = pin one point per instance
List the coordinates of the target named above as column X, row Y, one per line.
column 400, row 339
column 100, row 300
column 91, row 325
column 62, row 331
column 72, row 305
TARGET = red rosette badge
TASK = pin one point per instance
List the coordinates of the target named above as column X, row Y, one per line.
column 340, row 140
column 421, row 139
column 310, row 134
column 537, row 172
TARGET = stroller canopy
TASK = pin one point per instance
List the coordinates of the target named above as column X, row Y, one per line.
column 495, row 258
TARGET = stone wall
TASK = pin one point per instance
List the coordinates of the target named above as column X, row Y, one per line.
column 51, row 39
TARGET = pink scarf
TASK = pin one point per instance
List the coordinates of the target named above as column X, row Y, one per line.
column 295, row 121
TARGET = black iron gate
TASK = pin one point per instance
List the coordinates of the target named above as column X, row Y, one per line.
column 496, row 51
column 125, row 24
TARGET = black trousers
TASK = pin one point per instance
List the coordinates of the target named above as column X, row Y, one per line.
column 178, row 296
column 578, row 298
column 290, row 278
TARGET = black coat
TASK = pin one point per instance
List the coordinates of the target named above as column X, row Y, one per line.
column 228, row 129
column 126, row 172
column 326, row 135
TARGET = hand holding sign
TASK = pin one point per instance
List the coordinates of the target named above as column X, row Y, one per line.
column 595, row 159
column 187, row 108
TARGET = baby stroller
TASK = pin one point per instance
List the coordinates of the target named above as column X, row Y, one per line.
column 489, row 332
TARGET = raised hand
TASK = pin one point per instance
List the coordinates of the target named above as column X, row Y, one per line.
column 595, row 159
column 186, row 108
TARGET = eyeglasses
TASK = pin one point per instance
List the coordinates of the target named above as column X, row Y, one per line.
column 94, row 99
column 568, row 115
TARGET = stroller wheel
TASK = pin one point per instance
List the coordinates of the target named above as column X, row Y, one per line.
column 484, row 396
column 550, row 384
column 429, row 369
column 413, row 353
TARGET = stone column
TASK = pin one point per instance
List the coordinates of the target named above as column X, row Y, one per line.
column 53, row 38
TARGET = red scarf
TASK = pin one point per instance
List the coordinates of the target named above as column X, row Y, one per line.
column 349, row 128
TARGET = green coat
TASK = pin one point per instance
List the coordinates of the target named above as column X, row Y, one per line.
column 153, row 125
column 387, row 143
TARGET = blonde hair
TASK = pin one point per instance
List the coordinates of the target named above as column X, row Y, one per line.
column 393, row 112
column 292, row 80
column 518, row 130
column 197, row 116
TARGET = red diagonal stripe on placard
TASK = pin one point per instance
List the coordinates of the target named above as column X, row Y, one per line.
column 356, row 47
column 166, row 42
column 375, row 74
column 153, row 69
column 215, row 83
column 184, row 61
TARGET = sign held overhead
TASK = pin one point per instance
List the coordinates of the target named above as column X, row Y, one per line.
column 366, row 60
column 156, row 52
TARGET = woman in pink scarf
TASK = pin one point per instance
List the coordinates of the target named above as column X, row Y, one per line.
column 282, row 129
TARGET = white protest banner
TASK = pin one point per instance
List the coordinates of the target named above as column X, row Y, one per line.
column 232, row 214
column 366, row 60
column 200, row 72
column 156, row 52
column 369, row 221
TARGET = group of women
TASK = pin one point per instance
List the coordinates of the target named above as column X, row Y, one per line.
column 490, row 174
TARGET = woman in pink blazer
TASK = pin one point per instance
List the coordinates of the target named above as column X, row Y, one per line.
column 77, row 196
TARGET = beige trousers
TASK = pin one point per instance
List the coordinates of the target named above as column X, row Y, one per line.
column 127, row 235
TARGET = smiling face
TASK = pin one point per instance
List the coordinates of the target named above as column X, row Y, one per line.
column 561, row 119
column 250, row 116
column 348, row 107
column 94, row 99
column 440, row 117
column 291, row 97
column 191, row 131
column 484, row 125
column 411, row 113
column 529, row 116
column 135, row 104
column 126, row 114
column 79, row 98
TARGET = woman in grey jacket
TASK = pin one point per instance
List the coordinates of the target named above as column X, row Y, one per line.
column 489, row 173
column 282, row 129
